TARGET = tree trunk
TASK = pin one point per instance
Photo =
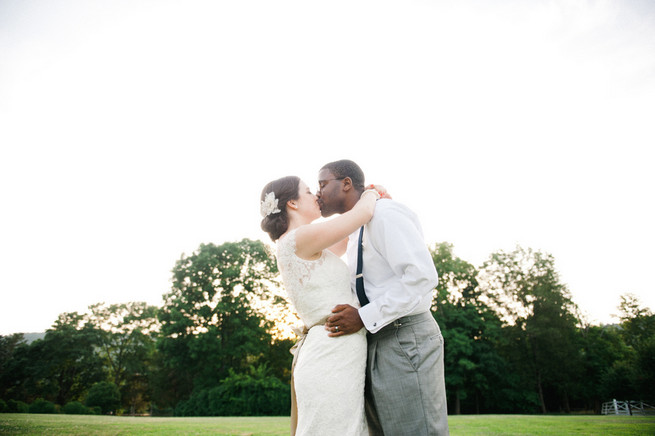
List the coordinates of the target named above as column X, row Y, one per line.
column 567, row 405
column 477, row 403
column 457, row 405
column 538, row 374
column 541, row 394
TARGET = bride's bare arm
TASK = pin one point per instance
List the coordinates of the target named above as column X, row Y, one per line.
column 311, row 239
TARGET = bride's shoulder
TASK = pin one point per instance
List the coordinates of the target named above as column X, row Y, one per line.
column 287, row 242
column 289, row 234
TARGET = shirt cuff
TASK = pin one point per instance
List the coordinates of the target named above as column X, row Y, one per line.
column 371, row 317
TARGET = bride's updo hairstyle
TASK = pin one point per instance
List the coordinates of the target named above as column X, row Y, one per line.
column 273, row 207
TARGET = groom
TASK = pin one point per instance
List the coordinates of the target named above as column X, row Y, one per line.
column 405, row 389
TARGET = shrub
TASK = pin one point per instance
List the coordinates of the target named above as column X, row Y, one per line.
column 3, row 406
column 76, row 408
column 14, row 406
column 42, row 406
column 166, row 411
column 104, row 395
column 253, row 394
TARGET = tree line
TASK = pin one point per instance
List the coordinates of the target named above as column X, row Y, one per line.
column 514, row 343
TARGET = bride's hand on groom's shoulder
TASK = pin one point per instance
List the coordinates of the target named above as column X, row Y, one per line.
column 344, row 321
column 381, row 190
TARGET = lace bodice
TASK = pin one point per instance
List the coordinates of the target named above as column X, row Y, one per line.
column 313, row 286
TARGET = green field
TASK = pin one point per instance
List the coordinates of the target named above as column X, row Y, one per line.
column 469, row 425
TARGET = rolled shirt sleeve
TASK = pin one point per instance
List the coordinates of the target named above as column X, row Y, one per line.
column 399, row 274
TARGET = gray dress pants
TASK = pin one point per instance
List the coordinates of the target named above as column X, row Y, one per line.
column 405, row 388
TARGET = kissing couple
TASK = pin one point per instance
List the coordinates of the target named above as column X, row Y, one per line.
column 370, row 359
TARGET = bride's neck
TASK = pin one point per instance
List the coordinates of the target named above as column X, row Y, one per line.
column 296, row 221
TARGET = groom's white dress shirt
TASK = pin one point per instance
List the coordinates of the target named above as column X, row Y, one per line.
column 399, row 274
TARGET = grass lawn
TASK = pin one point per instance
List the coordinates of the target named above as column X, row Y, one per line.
column 469, row 425
column 556, row 425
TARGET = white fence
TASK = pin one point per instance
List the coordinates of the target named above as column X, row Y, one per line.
column 627, row 408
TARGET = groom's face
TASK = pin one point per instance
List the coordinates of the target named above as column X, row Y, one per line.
column 330, row 193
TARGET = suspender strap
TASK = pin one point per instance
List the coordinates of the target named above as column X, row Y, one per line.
column 359, row 278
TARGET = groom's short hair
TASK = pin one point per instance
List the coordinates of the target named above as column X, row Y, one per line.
column 347, row 168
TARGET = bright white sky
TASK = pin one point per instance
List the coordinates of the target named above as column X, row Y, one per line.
column 133, row 131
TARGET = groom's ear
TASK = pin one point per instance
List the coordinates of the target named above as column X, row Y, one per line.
column 347, row 184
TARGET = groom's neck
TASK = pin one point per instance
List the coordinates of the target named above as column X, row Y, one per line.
column 351, row 200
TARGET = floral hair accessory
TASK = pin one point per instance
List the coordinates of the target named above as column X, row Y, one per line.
column 269, row 205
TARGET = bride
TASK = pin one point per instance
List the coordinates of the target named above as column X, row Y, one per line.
column 329, row 372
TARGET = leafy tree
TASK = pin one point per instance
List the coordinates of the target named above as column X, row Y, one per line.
column 72, row 362
column 637, row 322
column 601, row 347
column 279, row 358
column 61, row 366
column 645, row 368
column 634, row 376
column 104, row 395
column 618, row 382
column 8, row 347
column 213, row 319
column 470, row 329
column 514, row 390
column 525, row 289
column 127, row 344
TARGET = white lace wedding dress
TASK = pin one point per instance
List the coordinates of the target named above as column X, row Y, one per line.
column 329, row 372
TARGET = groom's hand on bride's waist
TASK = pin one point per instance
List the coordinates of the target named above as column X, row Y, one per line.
column 345, row 320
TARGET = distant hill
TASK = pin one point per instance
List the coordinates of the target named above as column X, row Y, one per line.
column 31, row 337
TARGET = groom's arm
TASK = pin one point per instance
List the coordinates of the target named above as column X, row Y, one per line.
column 411, row 274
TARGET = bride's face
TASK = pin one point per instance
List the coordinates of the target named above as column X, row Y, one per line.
column 307, row 202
